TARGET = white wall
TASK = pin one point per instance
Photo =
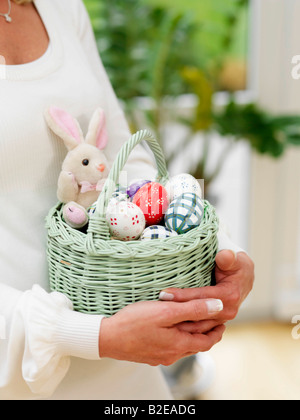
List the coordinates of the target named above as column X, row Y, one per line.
column 274, row 237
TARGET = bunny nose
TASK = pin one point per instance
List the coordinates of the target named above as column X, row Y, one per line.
column 101, row 167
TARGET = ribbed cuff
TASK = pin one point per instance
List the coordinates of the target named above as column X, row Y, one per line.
column 78, row 334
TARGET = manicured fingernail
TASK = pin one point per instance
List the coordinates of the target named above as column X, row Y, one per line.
column 166, row 296
column 214, row 305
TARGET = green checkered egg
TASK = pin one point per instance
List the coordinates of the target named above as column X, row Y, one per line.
column 184, row 213
column 157, row 232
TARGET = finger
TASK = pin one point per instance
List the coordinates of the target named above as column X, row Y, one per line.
column 200, row 327
column 226, row 260
column 194, row 310
column 185, row 295
column 204, row 342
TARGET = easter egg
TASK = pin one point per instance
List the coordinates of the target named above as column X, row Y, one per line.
column 120, row 193
column 157, row 232
column 152, row 199
column 135, row 186
column 184, row 213
column 183, row 183
column 91, row 210
column 117, row 197
column 126, row 221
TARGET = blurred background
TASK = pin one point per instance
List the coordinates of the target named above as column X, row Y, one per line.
column 218, row 83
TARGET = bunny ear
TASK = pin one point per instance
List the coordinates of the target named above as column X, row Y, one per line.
column 97, row 134
column 64, row 126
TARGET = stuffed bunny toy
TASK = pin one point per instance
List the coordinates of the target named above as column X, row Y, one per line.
column 85, row 167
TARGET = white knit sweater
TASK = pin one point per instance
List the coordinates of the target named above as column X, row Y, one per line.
column 46, row 349
column 38, row 330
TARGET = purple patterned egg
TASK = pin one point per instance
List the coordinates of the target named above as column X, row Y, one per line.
column 135, row 186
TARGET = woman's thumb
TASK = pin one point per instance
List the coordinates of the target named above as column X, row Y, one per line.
column 226, row 260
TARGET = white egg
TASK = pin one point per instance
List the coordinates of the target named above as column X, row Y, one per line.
column 126, row 221
column 181, row 184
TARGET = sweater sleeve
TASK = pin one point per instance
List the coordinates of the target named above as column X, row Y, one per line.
column 39, row 332
column 225, row 241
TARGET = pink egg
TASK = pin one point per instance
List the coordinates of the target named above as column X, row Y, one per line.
column 152, row 199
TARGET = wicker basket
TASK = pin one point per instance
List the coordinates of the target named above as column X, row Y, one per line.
column 101, row 276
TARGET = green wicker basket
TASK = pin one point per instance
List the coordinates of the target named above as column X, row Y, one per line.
column 101, row 276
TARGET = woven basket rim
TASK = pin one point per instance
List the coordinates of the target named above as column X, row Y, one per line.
column 97, row 241
column 58, row 228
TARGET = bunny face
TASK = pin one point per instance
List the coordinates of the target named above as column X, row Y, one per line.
column 87, row 163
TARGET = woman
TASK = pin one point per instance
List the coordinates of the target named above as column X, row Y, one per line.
column 47, row 350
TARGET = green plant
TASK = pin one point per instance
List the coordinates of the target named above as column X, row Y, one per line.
column 150, row 51
column 142, row 45
column 143, row 49
column 267, row 134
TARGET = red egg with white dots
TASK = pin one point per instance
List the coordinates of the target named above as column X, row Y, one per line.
column 126, row 221
column 152, row 199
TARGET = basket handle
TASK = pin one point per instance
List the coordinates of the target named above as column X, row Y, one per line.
column 98, row 225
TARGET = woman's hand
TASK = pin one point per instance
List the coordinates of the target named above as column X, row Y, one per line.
column 234, row 275
column 155, row 333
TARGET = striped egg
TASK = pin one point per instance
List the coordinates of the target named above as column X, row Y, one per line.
column 152, row 199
